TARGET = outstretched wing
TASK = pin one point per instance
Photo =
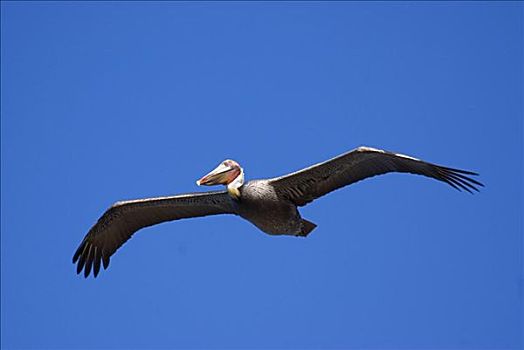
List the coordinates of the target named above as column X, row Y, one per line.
column 306, row 185
column 123, row 219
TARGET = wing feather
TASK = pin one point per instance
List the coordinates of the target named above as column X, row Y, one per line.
column 308, row 184
column 123, row 219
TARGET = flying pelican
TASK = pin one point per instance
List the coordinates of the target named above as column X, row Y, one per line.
column 269, row 204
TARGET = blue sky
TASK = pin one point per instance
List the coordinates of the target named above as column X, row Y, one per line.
column 105, row 101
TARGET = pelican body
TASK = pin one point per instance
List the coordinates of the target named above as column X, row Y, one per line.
column 259, row 204
column 269, row 204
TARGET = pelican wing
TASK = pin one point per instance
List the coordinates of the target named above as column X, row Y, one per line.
column 123, row 219
column 306, row 185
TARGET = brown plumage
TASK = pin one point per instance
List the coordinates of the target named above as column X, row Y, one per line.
column 269, row 204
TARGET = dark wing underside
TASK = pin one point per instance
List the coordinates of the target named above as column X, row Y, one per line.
column 308, row 184
column 123, row 219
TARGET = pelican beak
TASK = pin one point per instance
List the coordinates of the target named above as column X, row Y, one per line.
column 222, row 175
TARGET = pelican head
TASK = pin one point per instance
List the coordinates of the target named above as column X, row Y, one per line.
column 228, row 173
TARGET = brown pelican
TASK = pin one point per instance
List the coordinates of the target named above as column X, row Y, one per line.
column 270, row 204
